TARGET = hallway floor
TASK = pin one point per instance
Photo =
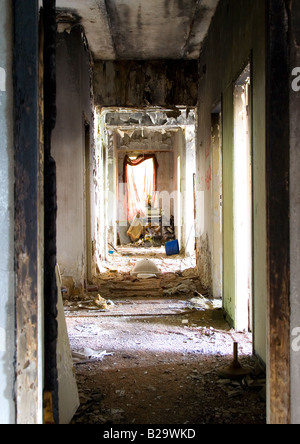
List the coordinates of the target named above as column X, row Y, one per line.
column 151, row 356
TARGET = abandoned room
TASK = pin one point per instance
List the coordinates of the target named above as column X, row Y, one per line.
column 149, row 212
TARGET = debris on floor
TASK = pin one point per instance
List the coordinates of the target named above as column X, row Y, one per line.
column 86, row 354
column 85, row 302
column 100, row 302
column 165, row 372
column 142, row 233
column 202, row 303
column 161, row 366
column 126, row 257
column 185, row 288
column 153, row 355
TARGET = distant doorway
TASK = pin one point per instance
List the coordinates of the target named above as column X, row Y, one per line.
column 217, row 201
column 140, row 179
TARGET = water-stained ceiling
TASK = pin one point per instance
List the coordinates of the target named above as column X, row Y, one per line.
column 140, row 29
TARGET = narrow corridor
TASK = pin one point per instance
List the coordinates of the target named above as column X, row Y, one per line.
column 206, row 91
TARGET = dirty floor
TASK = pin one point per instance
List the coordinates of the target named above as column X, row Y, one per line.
column 152, row 353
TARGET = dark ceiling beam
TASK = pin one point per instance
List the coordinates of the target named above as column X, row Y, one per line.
column 146, row 83
column 278, row 211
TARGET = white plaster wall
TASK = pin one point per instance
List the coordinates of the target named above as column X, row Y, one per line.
column 67, row 386
column 68, row 148
column 190, row 167
column 7, row 340
column 184, row 222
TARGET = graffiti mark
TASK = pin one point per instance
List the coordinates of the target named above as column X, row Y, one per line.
column 208, row 178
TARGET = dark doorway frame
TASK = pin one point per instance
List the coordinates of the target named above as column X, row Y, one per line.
column 35, row 211
column 278, row 209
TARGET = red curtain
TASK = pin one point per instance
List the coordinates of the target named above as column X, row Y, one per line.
column 137, row 193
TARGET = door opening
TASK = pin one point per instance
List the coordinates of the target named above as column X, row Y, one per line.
column 179, row 196
column 87, row 140
column 243, row 202
column 149, row 186
column 217, row 211
column 140, row 179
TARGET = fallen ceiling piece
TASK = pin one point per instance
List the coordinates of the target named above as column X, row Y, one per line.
column 234, row 370
column 145, row 267
column 146, row 276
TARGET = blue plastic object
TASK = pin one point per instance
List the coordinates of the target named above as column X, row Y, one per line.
column 172, row 248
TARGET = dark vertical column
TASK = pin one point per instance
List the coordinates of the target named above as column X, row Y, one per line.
column 50, row 202
column 295, row 209
column 26, row 148
column 278, row 239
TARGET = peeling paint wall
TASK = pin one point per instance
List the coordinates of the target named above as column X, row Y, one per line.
column 237, row 35
column 74, row 109
column 104, row 143
column 7, row 322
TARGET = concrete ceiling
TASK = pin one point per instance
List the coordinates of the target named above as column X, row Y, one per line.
column 140, row 29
